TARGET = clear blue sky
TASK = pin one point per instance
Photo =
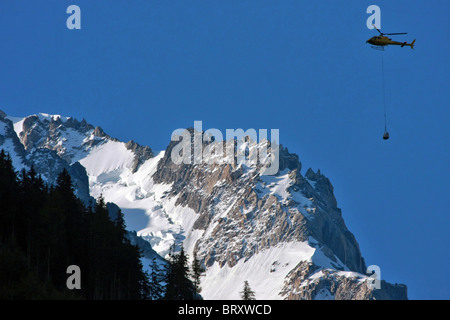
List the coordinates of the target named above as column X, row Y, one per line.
column 141, row 69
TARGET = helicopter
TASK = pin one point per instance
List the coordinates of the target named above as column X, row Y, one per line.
column 381, row 41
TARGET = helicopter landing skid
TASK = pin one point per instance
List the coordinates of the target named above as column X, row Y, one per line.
column 380, row 48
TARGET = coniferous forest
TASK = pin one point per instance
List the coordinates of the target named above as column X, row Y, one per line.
column 45, row 229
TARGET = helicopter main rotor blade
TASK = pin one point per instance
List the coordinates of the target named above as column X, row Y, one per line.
column 392, row 34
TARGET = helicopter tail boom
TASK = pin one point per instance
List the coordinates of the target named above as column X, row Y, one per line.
column 408, row 44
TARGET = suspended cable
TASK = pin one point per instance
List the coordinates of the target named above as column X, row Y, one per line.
column 386, row 133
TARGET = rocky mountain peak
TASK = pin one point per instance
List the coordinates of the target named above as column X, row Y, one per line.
column 299, row 209
column 284, row 232
column 142, row 154
column 98, row 132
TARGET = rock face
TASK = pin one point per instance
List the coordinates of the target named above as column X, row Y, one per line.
column 142, row 154
column 307, row 282
column 50, row 143
column 284, row 232
column 70, row 138
column 296, row 213
column 242, row 213
column 26, row 153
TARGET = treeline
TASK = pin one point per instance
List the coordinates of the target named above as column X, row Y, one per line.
column 45, row 229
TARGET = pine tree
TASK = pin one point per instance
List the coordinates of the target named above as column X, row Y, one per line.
column 33, row 194
column 197, row 272
column 247, row 293
column 156, row 290
column 8, row 197
column 178, row 285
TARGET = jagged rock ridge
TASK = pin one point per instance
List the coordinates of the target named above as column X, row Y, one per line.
column 283, row 232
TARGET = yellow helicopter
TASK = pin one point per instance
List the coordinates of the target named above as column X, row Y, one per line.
column 381, row 41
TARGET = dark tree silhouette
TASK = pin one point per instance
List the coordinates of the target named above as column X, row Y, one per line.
column 44, row 229
column 247, row 293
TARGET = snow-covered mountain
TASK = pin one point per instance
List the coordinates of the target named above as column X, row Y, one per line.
column 26, row 152
column 284, row 233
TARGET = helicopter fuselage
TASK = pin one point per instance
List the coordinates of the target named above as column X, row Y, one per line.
column 384, row 41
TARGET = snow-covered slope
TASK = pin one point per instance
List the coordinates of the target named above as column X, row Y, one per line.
column 10, row 144
column 284, row 233
column 265, row 271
